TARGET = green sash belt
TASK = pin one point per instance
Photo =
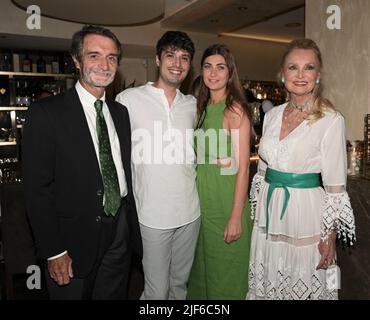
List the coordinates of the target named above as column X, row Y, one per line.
column 278, row 179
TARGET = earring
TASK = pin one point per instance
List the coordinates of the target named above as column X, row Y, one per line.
column 282, row 80
column 317, row 81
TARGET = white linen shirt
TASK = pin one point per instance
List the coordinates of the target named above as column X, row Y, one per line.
column 163, row 158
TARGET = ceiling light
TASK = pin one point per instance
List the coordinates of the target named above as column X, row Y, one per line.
column 255, row 37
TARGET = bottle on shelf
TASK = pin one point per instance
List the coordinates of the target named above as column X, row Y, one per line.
column 26, row 98
column 41, row 66
column 55, row 65
column 18, row 95
column 34, row 66
column 27, row 63
column 48, row 67
column 67, row 64
column 4, row 91
column 6, row 61
column 2, row 61
column 16, row 62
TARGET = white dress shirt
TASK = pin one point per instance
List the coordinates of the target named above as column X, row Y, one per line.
column 87, row 100
column 165, row 193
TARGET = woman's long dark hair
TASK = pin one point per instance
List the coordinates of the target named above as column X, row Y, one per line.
column 234, row 90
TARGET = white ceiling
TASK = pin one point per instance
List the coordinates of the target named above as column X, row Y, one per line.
column 108, row 13
column 261, row 19
column 253, row 18
column 265, row 19
column 284, row 27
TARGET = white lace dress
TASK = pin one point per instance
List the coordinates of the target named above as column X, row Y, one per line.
column 283, row 264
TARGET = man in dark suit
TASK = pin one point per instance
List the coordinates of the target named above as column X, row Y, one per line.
column 77, row 175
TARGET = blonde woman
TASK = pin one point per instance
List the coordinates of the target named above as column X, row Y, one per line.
column 299, row 199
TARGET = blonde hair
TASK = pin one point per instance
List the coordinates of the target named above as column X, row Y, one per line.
column 320, row 104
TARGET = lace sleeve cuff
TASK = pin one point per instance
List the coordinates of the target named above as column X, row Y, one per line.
column 338, row 216
column 256, row 186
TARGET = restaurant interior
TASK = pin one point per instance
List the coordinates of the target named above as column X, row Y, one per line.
column 35, row 61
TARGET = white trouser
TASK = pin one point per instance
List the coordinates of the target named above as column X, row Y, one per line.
column 167, row 260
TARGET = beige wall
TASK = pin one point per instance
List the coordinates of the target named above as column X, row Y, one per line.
column 257, row 60
column 135, row 70
column 346, row 58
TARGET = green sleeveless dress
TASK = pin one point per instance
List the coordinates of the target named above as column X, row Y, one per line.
column 220, row 270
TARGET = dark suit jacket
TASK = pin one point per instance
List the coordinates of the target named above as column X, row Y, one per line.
column 63, row 184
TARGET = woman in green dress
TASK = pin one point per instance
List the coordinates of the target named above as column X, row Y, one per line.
column 222, row 140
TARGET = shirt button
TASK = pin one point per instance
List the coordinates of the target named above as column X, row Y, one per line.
column 98, row 219
column 99, row 193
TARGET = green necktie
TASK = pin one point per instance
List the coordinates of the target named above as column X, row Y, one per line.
column 108, row 169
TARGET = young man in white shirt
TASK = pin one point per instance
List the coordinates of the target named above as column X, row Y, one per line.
column 163, row 164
